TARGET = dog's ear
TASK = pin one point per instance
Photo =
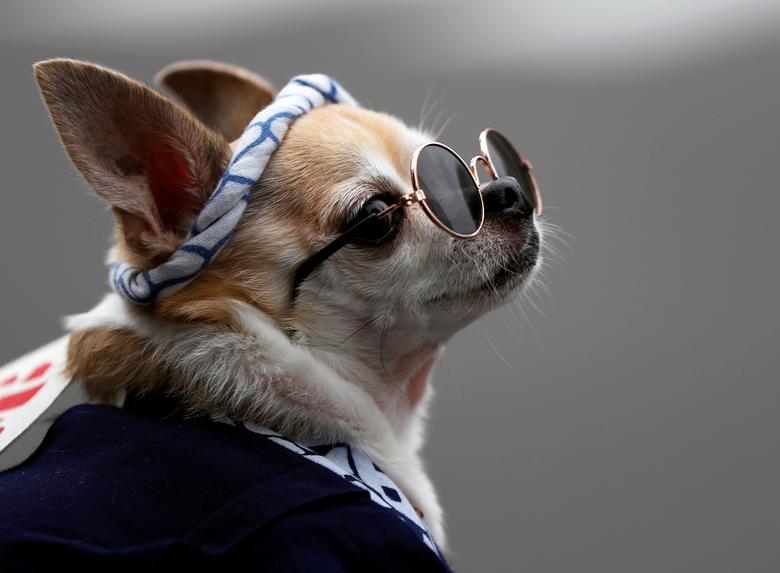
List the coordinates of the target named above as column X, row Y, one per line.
column 222, row 96
column 150, row 159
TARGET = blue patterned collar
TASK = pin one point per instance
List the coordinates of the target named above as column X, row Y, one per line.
column 356, row 467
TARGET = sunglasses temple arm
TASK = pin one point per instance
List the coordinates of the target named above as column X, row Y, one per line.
column 307, row 266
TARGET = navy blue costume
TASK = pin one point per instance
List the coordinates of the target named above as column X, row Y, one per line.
column 118, row 488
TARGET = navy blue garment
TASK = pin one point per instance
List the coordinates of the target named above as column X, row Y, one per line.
column 114, row 489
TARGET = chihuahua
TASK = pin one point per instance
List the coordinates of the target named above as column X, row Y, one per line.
column 348, row 354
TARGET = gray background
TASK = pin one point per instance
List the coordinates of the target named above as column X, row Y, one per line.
column 628, row 421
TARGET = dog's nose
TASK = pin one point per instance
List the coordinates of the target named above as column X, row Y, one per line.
column 504, row 195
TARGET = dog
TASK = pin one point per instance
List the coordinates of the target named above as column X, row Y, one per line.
column 351, row 358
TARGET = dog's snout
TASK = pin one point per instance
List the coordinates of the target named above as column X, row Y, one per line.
column 505, row 196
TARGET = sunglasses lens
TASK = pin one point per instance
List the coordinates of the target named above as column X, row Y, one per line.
column 507, row 162
column 450, row 191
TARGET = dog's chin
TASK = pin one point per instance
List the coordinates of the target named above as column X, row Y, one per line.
column 505, row 282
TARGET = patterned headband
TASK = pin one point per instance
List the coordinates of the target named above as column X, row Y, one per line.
column 221, row 213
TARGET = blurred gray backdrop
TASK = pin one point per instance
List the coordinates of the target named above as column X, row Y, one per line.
column 628, row 421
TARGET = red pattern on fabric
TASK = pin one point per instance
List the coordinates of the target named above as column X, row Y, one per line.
column 38, row 371
column 19, row 398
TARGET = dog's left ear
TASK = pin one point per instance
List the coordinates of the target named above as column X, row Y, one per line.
column 222, row 96
column 151, row 160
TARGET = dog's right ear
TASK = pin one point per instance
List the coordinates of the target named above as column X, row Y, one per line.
column 153, row 162
column 222, row 96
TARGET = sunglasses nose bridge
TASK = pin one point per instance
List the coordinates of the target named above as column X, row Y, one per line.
column 474, row 163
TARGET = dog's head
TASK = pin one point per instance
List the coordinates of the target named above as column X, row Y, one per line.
column 375, row 311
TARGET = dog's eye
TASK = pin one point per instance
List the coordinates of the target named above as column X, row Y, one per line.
column 379, row 229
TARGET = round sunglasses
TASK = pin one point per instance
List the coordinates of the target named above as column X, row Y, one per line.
column 447, row 189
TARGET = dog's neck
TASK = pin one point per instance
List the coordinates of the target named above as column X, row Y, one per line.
column 387, row 352
column 254, row 372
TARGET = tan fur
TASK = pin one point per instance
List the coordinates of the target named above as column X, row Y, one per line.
column 222, row 96
column 108, row 361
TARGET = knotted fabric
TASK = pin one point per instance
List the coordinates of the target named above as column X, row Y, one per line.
column 222, row 211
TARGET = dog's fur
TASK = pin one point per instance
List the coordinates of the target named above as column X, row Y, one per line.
column 352, row 358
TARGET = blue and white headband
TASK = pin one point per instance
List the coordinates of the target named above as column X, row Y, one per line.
column 221, row 213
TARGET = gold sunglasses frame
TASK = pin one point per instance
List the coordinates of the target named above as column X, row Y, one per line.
column 418, row 194
column 487, row 161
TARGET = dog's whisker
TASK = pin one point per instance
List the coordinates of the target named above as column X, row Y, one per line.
column 552, row 241
column 538, row 304
column 382, row 337
column 426, row 116
column 541, row 284
column 445, row 124
column 364, row 325
column 425, row 110
column 319, row 290
column 554, row 232
column 548, row 223
column 424, row 104
column 495, row 297
column 524, row 328
column 527, row 321
column 435, row 122
column 493, row 346
column 511, row 329
column 529, row 291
